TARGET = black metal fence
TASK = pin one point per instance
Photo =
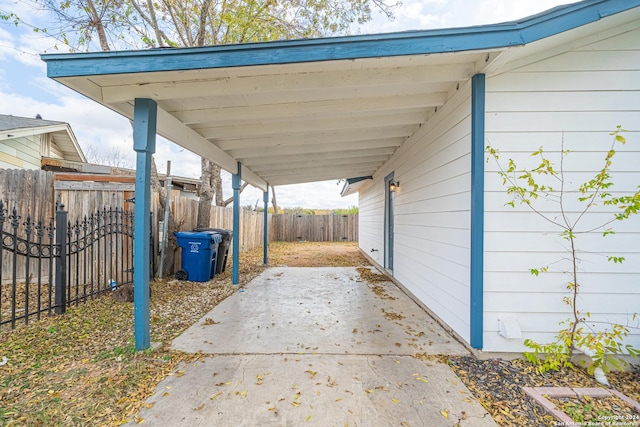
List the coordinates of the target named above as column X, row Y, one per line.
column 47, row 266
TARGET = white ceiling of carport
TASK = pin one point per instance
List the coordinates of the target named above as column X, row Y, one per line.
column 299, row 122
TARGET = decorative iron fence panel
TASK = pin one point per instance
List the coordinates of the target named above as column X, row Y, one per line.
column 46, row 266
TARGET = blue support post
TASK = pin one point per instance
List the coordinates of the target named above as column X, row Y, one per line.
column 236, row 181
column 144, row 143
column 265, row 243
column 477, row 211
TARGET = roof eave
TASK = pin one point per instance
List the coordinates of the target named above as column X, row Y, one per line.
column 494, row 36
column 352, row 185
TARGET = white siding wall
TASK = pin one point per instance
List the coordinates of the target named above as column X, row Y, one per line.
column 20, row 153
column 579, row 96
column 431, row 254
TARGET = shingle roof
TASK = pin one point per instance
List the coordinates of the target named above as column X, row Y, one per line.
column 8, row 122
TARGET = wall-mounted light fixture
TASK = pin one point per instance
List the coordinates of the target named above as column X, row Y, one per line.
column 393, row 185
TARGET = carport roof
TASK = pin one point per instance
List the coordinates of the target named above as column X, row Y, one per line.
column 317, row 109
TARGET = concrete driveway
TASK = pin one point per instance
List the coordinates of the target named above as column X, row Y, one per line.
column 315, row 347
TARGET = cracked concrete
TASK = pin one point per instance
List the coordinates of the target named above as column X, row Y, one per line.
column 315, row 347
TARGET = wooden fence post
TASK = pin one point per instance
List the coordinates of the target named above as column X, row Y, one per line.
column 61, row 260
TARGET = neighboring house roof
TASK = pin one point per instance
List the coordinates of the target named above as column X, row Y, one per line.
column 316, row 109
column 61, row 134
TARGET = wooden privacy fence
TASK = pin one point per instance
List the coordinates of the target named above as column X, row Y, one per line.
column 35, row 193
column 185, row 213
column 29, row 191
column 282, row 227
column 314, row 228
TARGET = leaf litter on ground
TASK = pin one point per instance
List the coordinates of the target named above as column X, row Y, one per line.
column 81, row 369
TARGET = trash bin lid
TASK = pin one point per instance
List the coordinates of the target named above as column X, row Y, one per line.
column 222, row 231
column 191, row 235
column 201, row 235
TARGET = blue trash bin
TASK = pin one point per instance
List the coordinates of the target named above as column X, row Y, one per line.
column 199, row 252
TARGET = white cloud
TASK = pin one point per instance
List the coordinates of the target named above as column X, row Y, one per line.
column 422, row 15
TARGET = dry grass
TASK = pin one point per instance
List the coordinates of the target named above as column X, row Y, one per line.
column 316, row 254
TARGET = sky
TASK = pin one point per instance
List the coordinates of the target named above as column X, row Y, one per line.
column 26, row 91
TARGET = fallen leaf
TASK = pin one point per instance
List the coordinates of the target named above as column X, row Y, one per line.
column 199, row 407
column 395, row 400
column 445, row 413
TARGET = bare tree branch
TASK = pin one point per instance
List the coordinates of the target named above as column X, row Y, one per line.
column 230, row 199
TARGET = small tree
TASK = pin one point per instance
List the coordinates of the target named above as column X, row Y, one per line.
column 528, row 188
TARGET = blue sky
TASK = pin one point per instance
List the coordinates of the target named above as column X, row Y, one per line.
column 26, row 91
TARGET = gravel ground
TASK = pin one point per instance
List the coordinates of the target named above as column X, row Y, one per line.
column 497, row 384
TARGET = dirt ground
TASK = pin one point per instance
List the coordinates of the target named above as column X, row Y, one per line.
column 316, row 254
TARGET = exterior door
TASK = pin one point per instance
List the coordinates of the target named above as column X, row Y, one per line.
column 388, row 223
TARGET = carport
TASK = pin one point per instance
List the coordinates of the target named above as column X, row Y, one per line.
column 299, row 111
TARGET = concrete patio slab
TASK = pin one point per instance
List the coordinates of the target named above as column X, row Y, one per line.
column 314, row 390
column 315, row 347
column 317, row 310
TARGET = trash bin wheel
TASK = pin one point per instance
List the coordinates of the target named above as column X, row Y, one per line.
column 182, row 275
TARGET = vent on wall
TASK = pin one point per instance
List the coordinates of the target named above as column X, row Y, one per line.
column 509, row 327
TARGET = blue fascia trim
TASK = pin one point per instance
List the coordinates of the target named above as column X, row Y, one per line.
column 476, row 279
column 546, row 24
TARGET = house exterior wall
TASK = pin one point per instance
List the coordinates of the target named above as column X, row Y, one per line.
column 20, row 153
column 432, row 213
column 579, row 96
